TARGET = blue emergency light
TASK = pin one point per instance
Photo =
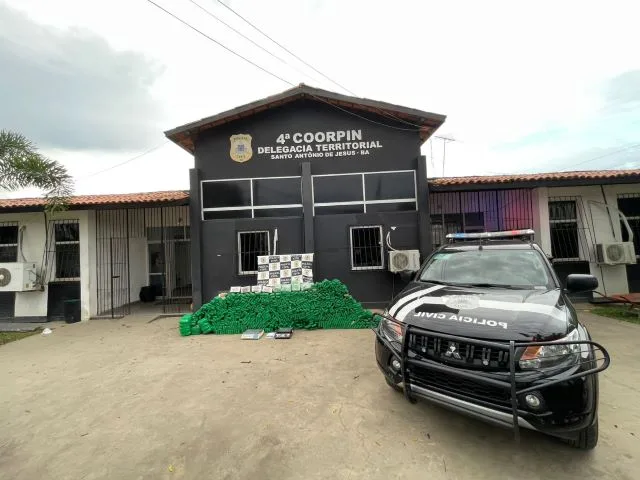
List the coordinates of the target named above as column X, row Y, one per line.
column 508, row 233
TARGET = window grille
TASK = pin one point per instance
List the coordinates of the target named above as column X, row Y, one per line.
column 8, row 241
column 66, row 235
column 366, row 248
column 479, row 211
column 250, row 246
column 572, row 239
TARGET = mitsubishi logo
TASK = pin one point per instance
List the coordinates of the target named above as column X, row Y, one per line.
column 452, row 351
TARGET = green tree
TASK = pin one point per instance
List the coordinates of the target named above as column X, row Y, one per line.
column 22, row 166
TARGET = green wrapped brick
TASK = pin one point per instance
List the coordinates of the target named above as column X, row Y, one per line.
column 195, row 330
column 185, row 325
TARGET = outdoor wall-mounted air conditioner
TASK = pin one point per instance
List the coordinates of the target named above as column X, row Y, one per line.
column 17, row 277
column 615, row 253
column 404, row 261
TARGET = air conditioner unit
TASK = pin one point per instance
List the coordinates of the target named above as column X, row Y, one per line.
column 404, row 261
column 17, row 277
column 615, row 253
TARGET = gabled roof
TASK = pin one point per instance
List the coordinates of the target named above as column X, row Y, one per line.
column 426, row 122
column 122, row 199
column 586, row 177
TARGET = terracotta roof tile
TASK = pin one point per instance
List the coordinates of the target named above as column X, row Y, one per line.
column 183, row 196
column 95, row 200
column 535, row 177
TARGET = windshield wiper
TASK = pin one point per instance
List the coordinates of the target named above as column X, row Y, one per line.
column 478, row 285
column 437, row 282
column 493, row 285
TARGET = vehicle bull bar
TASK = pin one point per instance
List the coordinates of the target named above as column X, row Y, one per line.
column 512, row 347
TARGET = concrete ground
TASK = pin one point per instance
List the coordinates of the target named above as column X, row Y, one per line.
column 23, row 326
column 128, row 399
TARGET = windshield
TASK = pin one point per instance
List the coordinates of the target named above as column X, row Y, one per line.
column 509, row 268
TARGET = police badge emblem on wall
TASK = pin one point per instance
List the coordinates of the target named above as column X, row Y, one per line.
column 240, row 148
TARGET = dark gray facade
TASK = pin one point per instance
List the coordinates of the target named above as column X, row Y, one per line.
column 346, row 169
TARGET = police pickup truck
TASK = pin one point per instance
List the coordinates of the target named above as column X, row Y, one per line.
column 485, row 328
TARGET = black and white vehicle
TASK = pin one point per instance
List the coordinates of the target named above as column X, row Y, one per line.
column 486, row 329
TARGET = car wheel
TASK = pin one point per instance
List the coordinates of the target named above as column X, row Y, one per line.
column 395, row 386
column 588, row 437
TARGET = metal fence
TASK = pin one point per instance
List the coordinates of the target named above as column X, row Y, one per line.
column 489, row 210
column 143, row 260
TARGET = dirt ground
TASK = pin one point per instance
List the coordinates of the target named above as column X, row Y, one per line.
column 129, row 399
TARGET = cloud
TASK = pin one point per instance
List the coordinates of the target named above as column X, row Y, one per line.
column 69, row 89
column 597, row 130
column 623, row 91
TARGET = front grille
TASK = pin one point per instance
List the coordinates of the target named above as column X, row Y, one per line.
column 458, row 353
column 450, row 384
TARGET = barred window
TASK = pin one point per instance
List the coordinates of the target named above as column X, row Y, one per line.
column 251, row 245
column 67, row 248
column 563, row 220
column 366, row 248
column 8, row 242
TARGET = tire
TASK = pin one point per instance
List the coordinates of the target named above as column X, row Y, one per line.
column 587, row 438
column 394, row 386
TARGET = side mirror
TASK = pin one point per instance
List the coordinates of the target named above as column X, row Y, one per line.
column 406, row 276
column 577, row 282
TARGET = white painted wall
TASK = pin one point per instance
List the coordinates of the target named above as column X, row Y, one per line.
column 613, row 279
column 34, row 304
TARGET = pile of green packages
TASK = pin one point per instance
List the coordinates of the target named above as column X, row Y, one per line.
column 326, row 304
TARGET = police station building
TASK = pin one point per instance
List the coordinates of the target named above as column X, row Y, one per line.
column 308, row 171
column 335, row 181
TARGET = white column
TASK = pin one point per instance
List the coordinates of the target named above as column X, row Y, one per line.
column 85, row 264
column 92, row 274
column 543, row 230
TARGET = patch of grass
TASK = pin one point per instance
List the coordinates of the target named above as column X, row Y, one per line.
column 6, row 337
column 619, row 313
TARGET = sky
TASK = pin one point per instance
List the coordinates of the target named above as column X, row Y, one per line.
column 545, row 86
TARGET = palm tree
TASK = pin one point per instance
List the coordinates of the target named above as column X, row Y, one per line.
column 22, row 166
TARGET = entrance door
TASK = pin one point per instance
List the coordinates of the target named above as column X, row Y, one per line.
column 182, row 270
column 157, row 268
column 170, row 268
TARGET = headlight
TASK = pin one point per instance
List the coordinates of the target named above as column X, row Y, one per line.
column 392, row 331
column 552, row 355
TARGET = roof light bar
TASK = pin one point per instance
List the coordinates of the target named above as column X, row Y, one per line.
column 508, row 233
